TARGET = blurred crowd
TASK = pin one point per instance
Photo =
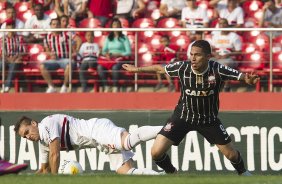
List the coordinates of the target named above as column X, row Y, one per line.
column 95, row 58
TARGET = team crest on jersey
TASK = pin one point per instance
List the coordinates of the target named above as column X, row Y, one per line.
column 168, row 127
column 211, row 79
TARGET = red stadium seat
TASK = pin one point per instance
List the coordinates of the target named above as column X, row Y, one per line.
column 3, row 5
column 249, row 48
column 181, row 41
column 250, row 7
column 34, row 49
column 168, row 23
column 277, row 60
column 203, row 4
column 152, row 10
column 90, row 23
column 250, row 22
column 22, row 6
column 3, row 16
column 23, row 16
column 154, row 41
column 100, row 40
column 253, row 61
column 278, row 39
column 143, row 23
column 51, row 13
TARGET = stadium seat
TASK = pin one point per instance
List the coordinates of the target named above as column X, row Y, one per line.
column 181, row 41
column 250, row 7
column 100, row 40
column 90, row 23
column 154, row 41
column 253, row 61
column 22, row 6
column 277, row 60
column 203, row 4
column 51, row 13
column 3, row 5
column 168, row 23
column 249, row 48
column 3, row 16
column 143, row 23
column 152, row 10
column 23, row 16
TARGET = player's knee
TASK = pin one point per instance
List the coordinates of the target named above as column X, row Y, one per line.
column 156, row 153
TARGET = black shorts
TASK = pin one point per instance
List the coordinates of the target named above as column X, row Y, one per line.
column 176, row 129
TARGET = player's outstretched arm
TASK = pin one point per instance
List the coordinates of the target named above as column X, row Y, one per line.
column 148, row 69
column 250, row 79
column 54, row 155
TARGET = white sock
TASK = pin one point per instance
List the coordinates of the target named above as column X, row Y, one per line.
column 135, row 171
column 143, row 133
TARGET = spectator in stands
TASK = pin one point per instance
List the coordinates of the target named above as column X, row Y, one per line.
column 172, row 8
column 130, row 9
column 14, row 50
column 101, row 9
column 11, row 14
column 38, row 21
column 76, row 9
column 57, row 46
column 88, row 53
column 76, row 40
column 233, row 13
column 193, row 16
column 272, row 16
column 226, row 46
column 168, row 53
column 116, row 51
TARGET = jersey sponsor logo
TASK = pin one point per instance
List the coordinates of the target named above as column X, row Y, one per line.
column 173, row 64
column 228, row 68
column 168, row 127
column 211, row 79
column 199, row 93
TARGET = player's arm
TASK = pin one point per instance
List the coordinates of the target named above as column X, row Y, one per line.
column 250, row 79
column 153, row 68
column 54, row 155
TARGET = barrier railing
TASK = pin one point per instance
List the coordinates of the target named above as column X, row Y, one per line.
column 267, row 72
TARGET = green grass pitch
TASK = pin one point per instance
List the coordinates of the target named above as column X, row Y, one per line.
column 121, row 179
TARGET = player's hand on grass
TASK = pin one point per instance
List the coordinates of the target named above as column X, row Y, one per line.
column 130, row 68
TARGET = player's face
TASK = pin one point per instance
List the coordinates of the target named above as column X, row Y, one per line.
column 199, row 59
column 29, row 132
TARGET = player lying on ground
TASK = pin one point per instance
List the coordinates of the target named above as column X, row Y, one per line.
column 62, row 132
column 201, row 80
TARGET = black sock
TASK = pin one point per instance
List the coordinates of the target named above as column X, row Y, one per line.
column 239, row 165
column 165, row 163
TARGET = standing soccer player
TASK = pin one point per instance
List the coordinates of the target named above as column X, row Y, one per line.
column 198, row 105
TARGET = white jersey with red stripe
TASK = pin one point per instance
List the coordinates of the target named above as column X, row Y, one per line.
column 93, row 133
column 194, row 18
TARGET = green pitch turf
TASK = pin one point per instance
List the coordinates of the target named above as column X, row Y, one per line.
column 119, row 179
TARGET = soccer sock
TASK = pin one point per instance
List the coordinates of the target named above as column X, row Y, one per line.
column 135, row 171
column 165, row 163
column 143, row 133
column 239, row 164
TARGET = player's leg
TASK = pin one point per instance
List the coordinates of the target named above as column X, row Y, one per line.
column 141, row 134
column 123, row 164
column 216, row 134
column 159, row 155
column 235, row 158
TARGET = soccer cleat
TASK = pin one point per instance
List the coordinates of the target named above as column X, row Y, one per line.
column 246, row 173
column 9, row 168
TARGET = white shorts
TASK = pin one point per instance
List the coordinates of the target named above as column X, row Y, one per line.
column 106, row 133
column 118, row 159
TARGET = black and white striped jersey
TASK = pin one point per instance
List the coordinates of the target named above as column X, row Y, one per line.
column 199, row 100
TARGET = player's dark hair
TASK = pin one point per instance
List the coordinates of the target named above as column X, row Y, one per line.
column 23, row 120
column 204, row 45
